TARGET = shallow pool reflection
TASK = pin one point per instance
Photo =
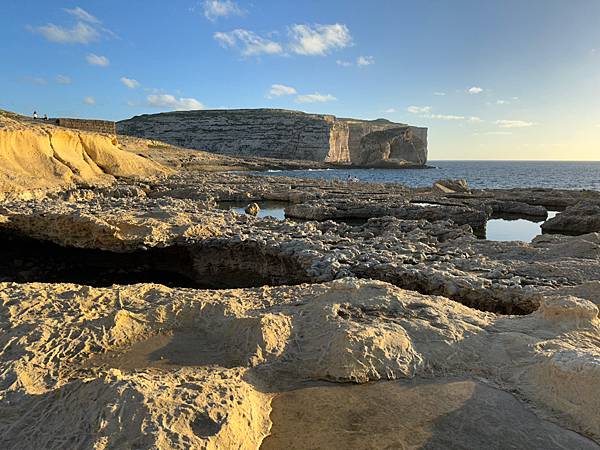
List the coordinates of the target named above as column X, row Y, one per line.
column 514, row 230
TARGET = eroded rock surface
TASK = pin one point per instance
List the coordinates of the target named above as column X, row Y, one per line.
column 393, row 147
column 111, row 337
column 282, row 134
column 124, row 352
column 584, row 217
column 42, row 156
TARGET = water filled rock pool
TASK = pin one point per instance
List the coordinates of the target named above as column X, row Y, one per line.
column 502, row 229
column 267, row 208
column 498, row 229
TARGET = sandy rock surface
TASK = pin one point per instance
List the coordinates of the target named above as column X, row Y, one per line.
column 41, row 156
column 146, row 365
column 142, row 313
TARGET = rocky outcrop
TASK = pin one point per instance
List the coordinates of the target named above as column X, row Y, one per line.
column 352, row 209
column 450, row 186
column 283, row 134
column 42, row 156
column 391, row 147
column 582, row 218
column 199, row 369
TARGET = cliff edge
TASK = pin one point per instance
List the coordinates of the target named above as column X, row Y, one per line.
column 281, row 134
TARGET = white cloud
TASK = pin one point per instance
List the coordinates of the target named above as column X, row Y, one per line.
column 319, row 39
column 80, row 33
column 213, row 9
column 82, row 14
column 173, row 103
column 390, row 110
column 130, row 82
column 362, row 61
column 425, row 112
column 419, row 109
column 501, row 102
column 249, row 43
column 343, row 63
column 475, row 90
column 439, row 94
column 315, row 98
column 277, row 90
column 63, row 79
column 514, row 124
column 445, row 117
column 87, row 28
column 89, row 100
column 96, row 60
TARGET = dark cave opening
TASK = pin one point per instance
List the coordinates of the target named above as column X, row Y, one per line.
column 199, row 266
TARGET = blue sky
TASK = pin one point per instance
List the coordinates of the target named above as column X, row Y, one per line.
column 491, row 79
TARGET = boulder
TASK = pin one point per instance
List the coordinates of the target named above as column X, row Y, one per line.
column 582, row 218
column 253, row 209
column 451, row 186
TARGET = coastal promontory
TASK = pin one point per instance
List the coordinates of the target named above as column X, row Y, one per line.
column 285, row 134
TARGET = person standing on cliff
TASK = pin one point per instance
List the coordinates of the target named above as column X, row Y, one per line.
column 35, row 116
column 45, row 116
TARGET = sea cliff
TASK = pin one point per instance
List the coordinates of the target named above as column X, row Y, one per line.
column 284, row 134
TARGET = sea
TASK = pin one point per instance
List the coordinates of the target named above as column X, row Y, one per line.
column 479, row 174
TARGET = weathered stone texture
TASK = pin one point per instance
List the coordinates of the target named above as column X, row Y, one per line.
column 270, row 133
column 95, row 126
column 391, row 146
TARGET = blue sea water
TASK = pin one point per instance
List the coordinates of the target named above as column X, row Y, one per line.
column 479, row 174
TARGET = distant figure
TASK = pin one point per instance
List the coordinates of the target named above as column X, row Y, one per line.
column 45, row 116
column 35, row 116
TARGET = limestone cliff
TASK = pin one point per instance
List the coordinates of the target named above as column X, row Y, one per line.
column 391, row 146
column 36, row 155
column 276, row 133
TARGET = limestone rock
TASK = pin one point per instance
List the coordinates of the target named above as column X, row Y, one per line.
column 252, row 209
column 450, row 186
column 339, row 209
column 581, row 218
column 393, row 147
column 275, row 134
column 516, row 208
column 200, row 368
column 43, row 156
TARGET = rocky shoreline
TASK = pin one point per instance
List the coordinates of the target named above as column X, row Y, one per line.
column 136, row 313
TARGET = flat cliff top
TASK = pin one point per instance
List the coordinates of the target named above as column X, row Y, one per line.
column 218, row 112
column 258, row 111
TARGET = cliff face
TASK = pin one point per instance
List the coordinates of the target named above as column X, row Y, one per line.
column 42, row 156
column 391, row 146
column 272, row 133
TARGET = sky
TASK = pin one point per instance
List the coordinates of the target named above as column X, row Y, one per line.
column 503, row 79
